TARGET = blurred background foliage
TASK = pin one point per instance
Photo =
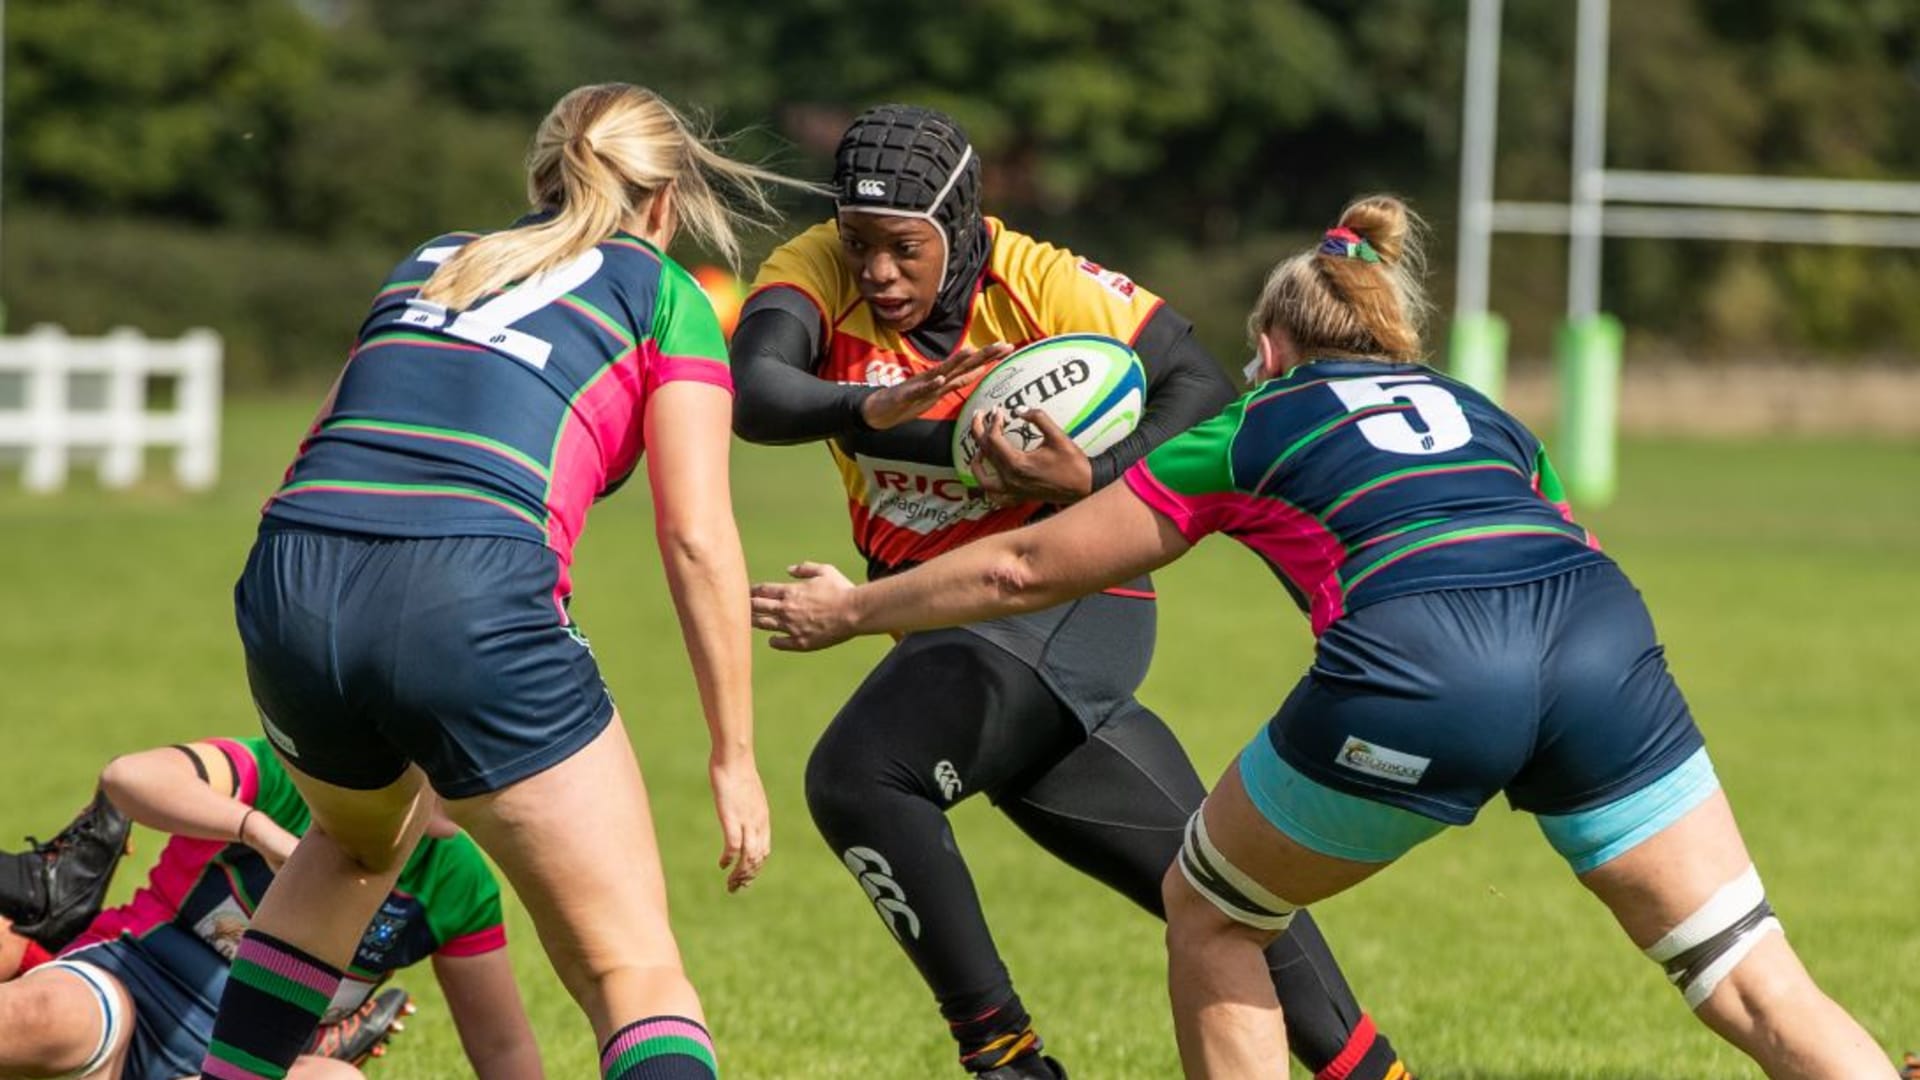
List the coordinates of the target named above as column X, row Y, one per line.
column 257, row 172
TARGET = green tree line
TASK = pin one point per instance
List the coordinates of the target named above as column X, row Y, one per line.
column 257, row 164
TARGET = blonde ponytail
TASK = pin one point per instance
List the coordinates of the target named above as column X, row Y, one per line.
column 1357, row 294
column 596, row 163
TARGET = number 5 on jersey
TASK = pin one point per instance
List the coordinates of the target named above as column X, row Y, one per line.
column 1439, row 413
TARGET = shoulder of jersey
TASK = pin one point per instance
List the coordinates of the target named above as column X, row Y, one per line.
column 1025, row 264
column 437, row 249
column 811, row 261
column 1019, row 260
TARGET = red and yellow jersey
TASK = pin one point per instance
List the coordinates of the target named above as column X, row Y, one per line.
column 906, row 499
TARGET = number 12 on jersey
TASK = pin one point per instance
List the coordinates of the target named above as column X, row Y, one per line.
column 489, row 323
column 1438, row 410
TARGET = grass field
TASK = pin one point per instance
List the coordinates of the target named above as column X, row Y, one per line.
column 1783, row 578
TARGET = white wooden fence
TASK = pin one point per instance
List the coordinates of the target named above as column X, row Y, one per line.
column 46, row 422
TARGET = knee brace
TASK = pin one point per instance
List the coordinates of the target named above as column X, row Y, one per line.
column 1708, row 944
column 115, row 1020
column 1226, row 886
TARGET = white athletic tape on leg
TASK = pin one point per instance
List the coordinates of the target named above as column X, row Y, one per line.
column 1740, row 900
column 1704, row 984
column 1236, row 879
column 112, row 1013
column 1732, row 900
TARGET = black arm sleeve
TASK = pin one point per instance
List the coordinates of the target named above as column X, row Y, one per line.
column 1184, row 386
column 777, row 398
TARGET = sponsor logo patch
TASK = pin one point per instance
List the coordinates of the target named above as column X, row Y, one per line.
column 870, row 187
column 221, row 928
column 948, row 777
column 1376, row 760
column 283, row 741
column 885, row 371
column 924, row 498
column 1115, row 282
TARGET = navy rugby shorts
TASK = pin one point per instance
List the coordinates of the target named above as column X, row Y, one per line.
column 174, row 981
column 1419, row 709
column 367, row 654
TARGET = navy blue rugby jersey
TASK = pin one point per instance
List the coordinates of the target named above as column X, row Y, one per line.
column 1359, row 481
column 509, row 418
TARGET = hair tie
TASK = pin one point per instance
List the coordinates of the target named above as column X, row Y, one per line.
column 1345, row 243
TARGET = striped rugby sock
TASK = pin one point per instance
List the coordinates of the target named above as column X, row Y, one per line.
column 998, row 1036
column 1367, row 1056
column 274, row 999
column 659, row 1048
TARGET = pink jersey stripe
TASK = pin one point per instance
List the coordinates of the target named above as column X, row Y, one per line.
column 360, row 489
column 1161, row 498
column 492, row 939
column 599, row 439
column 1412, row 474
column 1563, row 506
column 418, row 344
column 653, row 1029
column 467, row 439
column 288, row 966
column 245, row 770
column 1488, row 533
column 689, row 369
column 597, row 319
column 215, row 1069
column 1294, row 541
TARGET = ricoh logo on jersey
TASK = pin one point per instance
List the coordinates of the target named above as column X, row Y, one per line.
column 1039, row 389
column 1375, row 760
column 924, row 498
column 948, row 489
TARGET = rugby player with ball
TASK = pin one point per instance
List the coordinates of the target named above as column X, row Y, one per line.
column 867, row 332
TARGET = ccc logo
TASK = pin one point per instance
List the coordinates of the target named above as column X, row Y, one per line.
column 875, row 875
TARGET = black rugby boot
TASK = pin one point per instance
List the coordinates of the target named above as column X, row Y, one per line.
column 74, row 870
column 1031, row 1067
column 364, row 1034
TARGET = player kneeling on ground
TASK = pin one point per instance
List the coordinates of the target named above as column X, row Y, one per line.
column 132, row 992
column 1472, row 640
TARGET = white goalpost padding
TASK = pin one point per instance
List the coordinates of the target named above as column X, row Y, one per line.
column 47, row 425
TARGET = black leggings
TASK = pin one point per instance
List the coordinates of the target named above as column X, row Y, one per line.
column 946, row 715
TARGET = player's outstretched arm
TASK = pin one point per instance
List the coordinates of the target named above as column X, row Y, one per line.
column 1104, row 540
column 687, row 438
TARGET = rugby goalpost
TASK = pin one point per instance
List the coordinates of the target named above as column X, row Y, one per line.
column 1667, row 205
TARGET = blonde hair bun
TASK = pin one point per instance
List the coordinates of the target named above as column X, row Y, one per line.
column 1360, row 299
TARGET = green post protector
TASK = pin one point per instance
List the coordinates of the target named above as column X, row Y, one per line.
column 1477, row 352
column 1588, row 351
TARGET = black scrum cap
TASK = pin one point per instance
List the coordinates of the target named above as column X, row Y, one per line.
column 910, row 161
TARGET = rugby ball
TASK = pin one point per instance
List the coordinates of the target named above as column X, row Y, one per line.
column 1094, row 387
